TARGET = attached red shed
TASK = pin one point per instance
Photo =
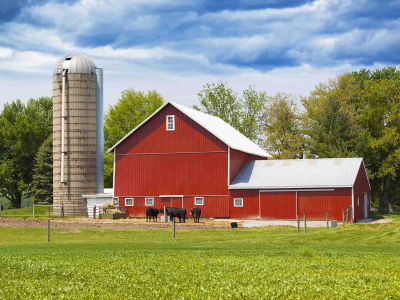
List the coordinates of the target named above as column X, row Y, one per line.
column 287, row 188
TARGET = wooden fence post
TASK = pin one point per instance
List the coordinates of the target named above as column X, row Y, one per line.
column 173, row 231
column 305, row 224
column 33, row 210
column 94, row 212
column 298, row 224
column 343, row 214
column 327, row 220
column 48, row 230
column 62, row 211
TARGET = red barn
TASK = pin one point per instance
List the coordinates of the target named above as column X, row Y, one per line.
column 184, row 158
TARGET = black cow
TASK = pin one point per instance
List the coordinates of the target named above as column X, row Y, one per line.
column 196, row 212
column 175, row 212
column 152, row 213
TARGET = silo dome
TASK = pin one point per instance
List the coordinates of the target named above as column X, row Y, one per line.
column 75, row 64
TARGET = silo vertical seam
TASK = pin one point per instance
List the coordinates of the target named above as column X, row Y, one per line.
column 63, row 125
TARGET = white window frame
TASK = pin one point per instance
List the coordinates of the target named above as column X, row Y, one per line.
column 202, row 200
column 234, row 202
column 152, row 201
column 173, row 122
column 129, row 199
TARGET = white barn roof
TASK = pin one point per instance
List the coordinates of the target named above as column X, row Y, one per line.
column 297, row 173
column 223, row 131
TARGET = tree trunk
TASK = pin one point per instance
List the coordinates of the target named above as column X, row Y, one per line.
column 16, row 200
column 384, row 198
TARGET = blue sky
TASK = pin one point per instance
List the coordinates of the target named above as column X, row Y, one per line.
column 177, row 46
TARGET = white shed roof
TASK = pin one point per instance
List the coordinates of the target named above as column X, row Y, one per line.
column 225, row 132
column 298, row 173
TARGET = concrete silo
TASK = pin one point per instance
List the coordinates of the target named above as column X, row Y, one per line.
column 77, row 133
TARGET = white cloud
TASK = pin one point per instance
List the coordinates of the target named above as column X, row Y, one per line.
column 5, row 52
column 29, row 62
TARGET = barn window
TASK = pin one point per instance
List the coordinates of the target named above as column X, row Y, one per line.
column 128, row 201
column 238, row 202
column 149, row 201
column 170, row 123
column 199, row 201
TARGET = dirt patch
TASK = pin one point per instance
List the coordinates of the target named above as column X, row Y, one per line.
column 74, row 225
column 372, row 221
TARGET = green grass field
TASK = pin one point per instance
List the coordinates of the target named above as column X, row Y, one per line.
column 27, row 212
column 355, row 261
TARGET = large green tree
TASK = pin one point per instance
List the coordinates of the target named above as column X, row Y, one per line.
column 283, row 131
column 358, row 114
column 131, row 109
column 43, row 173
column 378, row 111
column 219, row 100
column 246, row 113
column 329, row 119
column 23, row 128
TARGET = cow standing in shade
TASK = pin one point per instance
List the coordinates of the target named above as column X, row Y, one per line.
column 152, row 213
column 196, row 212
column 175, row 212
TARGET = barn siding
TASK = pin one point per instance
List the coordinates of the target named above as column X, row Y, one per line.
column 361, row 186
column 171, row 174
column 188, row 136
column 250, row 209
column 214, row 207
column 282, row 205
column 237, row 161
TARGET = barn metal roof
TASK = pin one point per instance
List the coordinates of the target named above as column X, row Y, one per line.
column 297, row 173
column 226, row 133
column 75, row 64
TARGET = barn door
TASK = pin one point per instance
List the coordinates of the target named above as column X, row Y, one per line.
column 278, row 205
column 316, row 204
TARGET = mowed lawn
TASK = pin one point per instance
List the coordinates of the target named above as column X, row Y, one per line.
column 354, row 261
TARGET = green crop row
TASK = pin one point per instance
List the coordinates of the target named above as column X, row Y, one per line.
column 351, row 262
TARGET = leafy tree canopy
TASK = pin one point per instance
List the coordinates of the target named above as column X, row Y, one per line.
column 246, row 113
column 23, row 128
column 43, row 173
column 284, row 137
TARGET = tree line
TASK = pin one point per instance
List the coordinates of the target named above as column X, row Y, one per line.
column 356, row 114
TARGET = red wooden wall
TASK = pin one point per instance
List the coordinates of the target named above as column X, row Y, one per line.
column 250, row 209
column 282, row 205
column 188, row 136
column 171, row 174
column 214, row 207
column 361, row 186
column 237, row 161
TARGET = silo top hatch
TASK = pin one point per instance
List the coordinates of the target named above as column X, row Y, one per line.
column 75, row 64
